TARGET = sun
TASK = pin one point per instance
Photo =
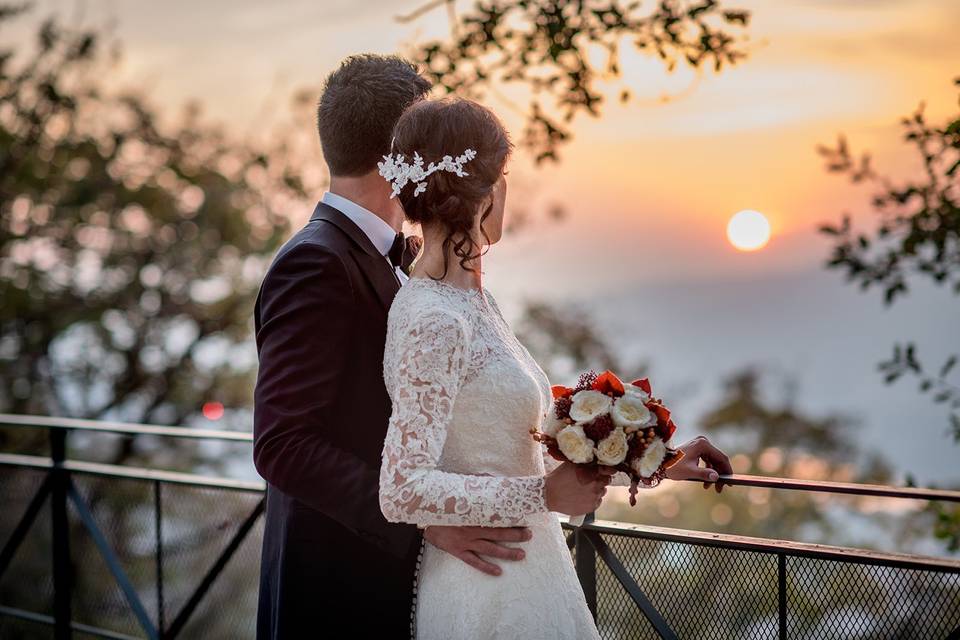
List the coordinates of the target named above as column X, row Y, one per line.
column 748, row 230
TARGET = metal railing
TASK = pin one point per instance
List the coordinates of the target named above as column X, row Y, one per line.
column 135, row 552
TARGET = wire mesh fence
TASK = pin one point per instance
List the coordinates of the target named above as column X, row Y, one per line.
column 165, row 558
column 717, row 592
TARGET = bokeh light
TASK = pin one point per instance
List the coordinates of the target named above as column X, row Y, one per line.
column 213, row 410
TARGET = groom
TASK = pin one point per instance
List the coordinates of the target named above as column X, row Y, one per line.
column 330, row 559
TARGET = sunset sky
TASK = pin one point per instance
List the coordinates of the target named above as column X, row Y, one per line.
column 679, row 169
column 650, row 186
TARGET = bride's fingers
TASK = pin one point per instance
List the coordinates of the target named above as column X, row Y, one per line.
column 599, row 492
column 493, row 550
column 479, row 563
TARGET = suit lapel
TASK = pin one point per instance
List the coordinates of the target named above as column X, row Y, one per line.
column 372, row 264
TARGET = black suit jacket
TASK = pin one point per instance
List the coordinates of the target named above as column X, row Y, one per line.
column 320, row 418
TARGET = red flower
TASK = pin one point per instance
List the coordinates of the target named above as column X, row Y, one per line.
column 643, row 383
column 662, row 413
column 636, row 448
column 665, row 431
column 560, row 391
column 665, row 425
column 607, row 383
column 599, row 428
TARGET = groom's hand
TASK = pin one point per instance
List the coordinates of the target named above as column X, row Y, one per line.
column 688, row 468
column 470, row 543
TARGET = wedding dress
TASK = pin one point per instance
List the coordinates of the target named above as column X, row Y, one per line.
column 458, row 451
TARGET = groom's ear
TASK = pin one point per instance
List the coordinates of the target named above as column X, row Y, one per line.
column 361, row 102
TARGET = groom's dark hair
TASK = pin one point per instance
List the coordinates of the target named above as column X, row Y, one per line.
column 361, row 102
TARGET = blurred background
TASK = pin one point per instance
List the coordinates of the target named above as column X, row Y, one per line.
column 153, row 157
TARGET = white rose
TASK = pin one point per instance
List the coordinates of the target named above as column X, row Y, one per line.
column 589, row 404
column 575, row 444
column 613, row 449
column 648, row 463
column 634, row 391
column 630, row 414
column 552, row 424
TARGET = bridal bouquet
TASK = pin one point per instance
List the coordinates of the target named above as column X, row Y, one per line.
column 605, row 421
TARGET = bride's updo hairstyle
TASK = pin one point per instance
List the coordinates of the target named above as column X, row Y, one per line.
column 447, row 127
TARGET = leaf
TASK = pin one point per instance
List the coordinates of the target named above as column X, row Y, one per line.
column 955, row 423
column 911, row 358
column 947, row 366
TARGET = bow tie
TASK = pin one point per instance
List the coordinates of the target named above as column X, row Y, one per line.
column 396, row 250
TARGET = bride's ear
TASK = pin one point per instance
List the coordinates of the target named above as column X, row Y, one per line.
column 487, row 205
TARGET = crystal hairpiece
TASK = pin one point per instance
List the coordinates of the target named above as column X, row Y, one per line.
column 398, row 173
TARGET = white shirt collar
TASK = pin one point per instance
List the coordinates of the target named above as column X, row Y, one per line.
column 380, row 233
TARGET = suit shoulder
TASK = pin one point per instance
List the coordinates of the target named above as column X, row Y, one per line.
column 316, row 236
column 315, row 247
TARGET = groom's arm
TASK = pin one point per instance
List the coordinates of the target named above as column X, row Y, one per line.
column 304, row 331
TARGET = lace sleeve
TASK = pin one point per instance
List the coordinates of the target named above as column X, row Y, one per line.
column 429, row 359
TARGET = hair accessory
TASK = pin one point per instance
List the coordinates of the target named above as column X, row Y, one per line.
column 398, row 172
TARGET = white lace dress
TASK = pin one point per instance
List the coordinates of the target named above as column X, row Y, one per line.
column 458, row 451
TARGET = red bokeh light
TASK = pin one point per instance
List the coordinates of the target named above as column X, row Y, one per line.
column 213, row 410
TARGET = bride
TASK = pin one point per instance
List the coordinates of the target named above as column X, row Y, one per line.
column 466, row 393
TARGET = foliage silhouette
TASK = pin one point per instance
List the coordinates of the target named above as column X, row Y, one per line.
column 918, row 235
column 545, row 47
column 130, row 253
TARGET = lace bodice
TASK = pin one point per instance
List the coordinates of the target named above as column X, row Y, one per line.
column 465, row 394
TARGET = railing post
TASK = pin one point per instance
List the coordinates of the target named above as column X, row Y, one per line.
column 158, row 558
column 587, row 565
column 782, row 594
column 62, row 571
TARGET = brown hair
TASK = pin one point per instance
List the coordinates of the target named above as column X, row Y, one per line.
column 360, row 104
column 447, row 127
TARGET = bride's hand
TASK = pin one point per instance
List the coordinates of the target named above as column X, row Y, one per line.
column 574, row 490
column 688, row 468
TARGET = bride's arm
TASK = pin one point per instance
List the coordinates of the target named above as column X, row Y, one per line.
column 429, row 361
